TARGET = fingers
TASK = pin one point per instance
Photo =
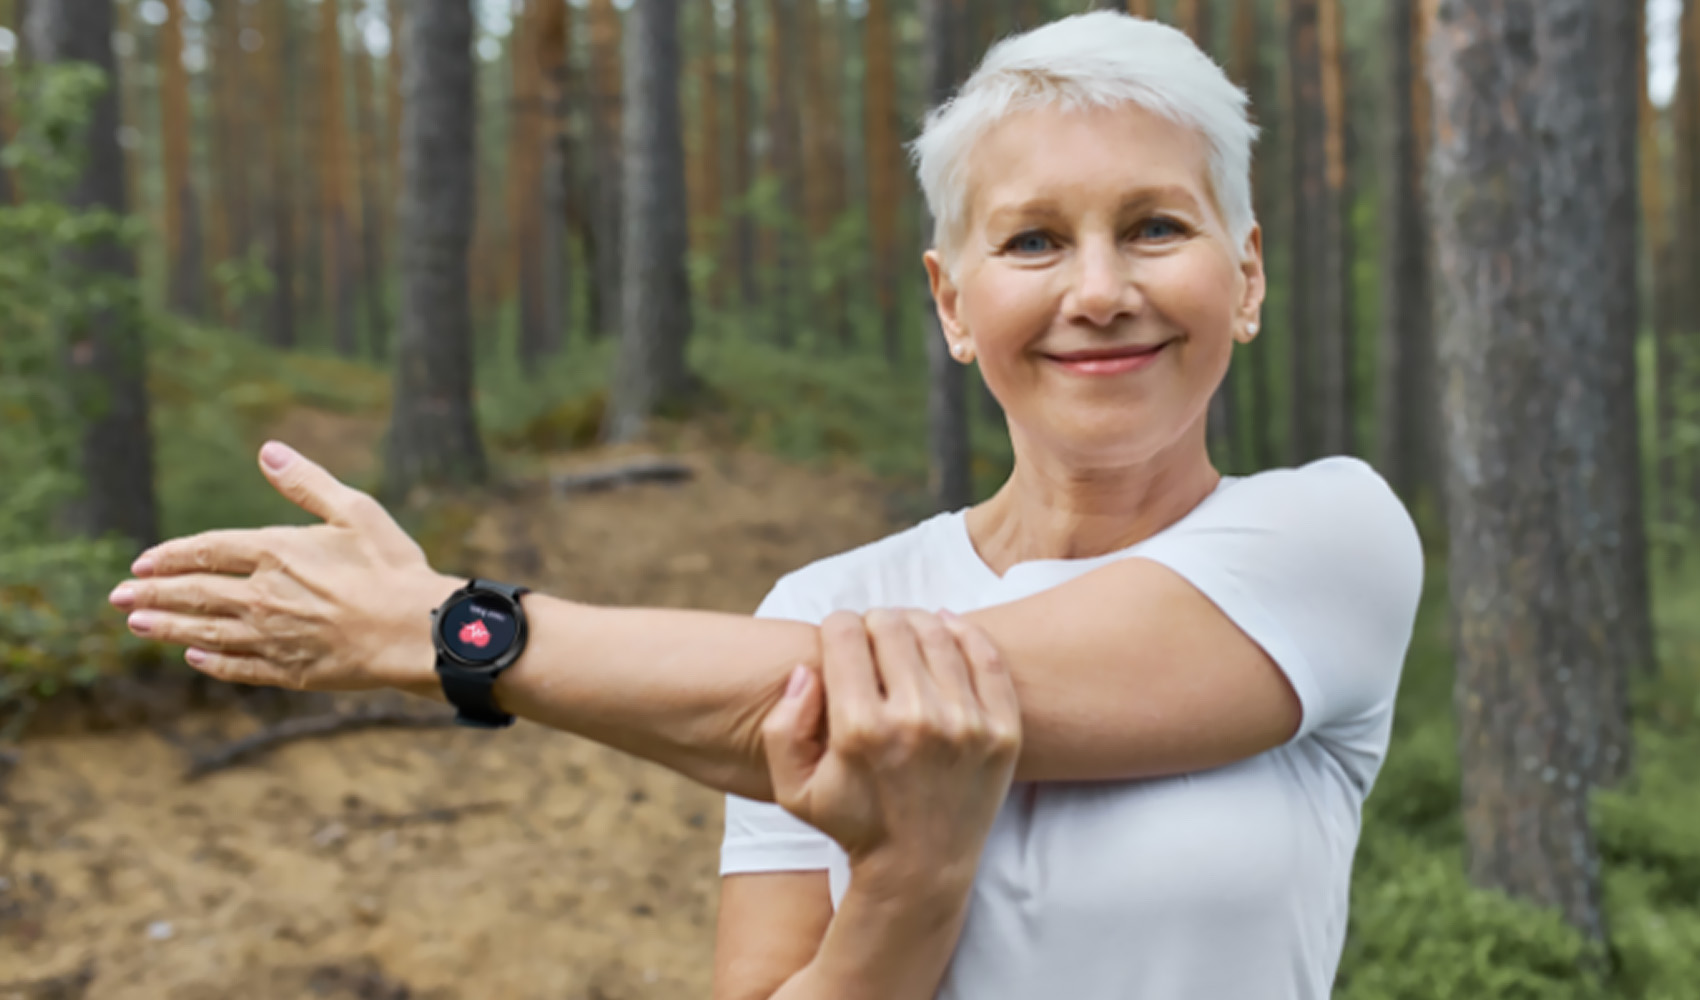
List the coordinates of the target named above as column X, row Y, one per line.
column 309, row 486
column 943, row 657
column 854, row 703
column 227, row 635
column 897, row 654
column 993, row 684
column 237, row 551
column 192, row 593
column 791, row 735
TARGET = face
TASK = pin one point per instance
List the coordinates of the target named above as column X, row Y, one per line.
column 1096, row 282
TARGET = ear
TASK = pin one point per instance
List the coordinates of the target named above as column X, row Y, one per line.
column 1256, row 285
column 946, row 300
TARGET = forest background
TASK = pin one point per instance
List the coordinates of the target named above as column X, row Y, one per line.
column 510, row 230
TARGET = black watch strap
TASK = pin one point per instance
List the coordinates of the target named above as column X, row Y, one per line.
column 470, row 692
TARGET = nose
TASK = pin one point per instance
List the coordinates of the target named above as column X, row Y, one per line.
column 1103, row 289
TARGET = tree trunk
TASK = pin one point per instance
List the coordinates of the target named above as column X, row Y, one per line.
column 1661, row 245
column 1621, row 34
column 105, row 349
column 1250, row 73
column 278, row 140
column 554, row 42
column 948, row 447
column 656, row 306
column 433, row 432
column 232, row 151
column 337, row 247
column 744, row 247
column 1138, row 8
column 1686, row 299
column 786, row 254
column 1408, row 418
column 1519, row 167
column 605, row 134
column 705, row 183
column 885, row 169
column 187, row 288
column 823, row 162
column 397, row 11
column 374, row 271
column 1319, row 348
column 527, row 127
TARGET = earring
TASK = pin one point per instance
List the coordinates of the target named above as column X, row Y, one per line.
column 960, row 352
column 1251, row 329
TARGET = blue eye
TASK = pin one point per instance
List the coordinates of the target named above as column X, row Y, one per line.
column 1029, row 242
column 1159, row 228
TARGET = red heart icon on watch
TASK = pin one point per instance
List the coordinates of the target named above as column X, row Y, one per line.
column 473, row 633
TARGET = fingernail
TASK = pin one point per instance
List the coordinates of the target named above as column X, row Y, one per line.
column 276, row 455
column 142, row 566
column 122, row 596
column 799, row 681
column 195, row 656
column 141, row 622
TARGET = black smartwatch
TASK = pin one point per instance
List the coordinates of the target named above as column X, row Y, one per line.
column 479, row 632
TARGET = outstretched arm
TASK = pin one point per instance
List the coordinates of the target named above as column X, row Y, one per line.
column 1123, row 672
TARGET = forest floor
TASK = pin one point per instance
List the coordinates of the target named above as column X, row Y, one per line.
column 399, row 863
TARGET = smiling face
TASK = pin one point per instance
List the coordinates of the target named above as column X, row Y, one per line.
column 1097, row 283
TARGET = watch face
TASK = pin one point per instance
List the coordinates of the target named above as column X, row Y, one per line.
column 479, row 628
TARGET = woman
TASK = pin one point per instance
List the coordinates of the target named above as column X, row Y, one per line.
column 1205, row 667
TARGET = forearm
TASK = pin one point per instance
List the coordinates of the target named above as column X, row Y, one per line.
column 686, row 689
column 890, row 939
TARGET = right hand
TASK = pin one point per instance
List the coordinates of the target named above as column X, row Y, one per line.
column 908, row 779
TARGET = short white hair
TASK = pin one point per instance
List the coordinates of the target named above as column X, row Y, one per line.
column 1099, row 59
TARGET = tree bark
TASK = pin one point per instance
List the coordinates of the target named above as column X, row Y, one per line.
column 744, row 248
column 527, row 129
column 823, row 160
column 705, row 191
column 397, row 12
column 554, row 42
column 1249, row 71
column 233, row 228
column 105, row 349
column 187, row 276
column 1319, row 350
column 656, row 305
column 885, row 170
column 786, row 257
column 336, row 248
column 605, row 132
column 1661, row 244
column 1523, row 331
column 278, row 140
column 433, row 432
column 950, row 466
column 1138, row 8
column 1408, row 418
column 374, row 269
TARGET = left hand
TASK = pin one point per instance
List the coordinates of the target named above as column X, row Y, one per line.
column 338, row 606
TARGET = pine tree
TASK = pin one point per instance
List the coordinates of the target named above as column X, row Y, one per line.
column 433, row 435
column 885, row 170
column 182, row 207
column 336, row 251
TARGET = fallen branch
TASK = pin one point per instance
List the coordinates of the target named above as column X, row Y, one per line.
column 662, row 470
column 307, row 727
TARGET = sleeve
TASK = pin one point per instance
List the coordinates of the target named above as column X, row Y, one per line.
column 761, row 836
column 1322, row 567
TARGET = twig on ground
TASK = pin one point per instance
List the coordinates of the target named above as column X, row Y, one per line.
column 290, row 730
column 437, row 814
column 662, row 470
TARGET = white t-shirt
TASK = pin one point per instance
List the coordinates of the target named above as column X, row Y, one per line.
column 1229, row 883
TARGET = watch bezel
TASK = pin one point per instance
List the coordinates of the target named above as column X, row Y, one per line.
column 447, row 657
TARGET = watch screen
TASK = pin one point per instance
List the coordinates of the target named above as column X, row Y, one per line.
column 479, row 628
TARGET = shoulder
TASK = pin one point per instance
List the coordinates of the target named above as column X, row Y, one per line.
column 1330, row 507
column 880, row 572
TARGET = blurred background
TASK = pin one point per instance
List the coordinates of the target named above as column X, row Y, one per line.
column 495, row 260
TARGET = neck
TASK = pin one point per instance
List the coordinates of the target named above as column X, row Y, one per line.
column 1052, row 508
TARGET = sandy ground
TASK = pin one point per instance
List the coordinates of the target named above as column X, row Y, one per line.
column 437, row 863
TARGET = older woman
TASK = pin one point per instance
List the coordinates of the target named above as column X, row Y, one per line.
column 1205, row 666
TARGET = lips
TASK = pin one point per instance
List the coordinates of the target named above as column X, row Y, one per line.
column 1108, row 360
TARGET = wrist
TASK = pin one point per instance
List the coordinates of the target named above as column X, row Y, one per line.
column 412, row 663
column 895, row 881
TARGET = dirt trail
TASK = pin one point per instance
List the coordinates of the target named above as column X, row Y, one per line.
column 415, row 864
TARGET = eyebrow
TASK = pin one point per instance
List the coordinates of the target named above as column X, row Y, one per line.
column 1043, row 208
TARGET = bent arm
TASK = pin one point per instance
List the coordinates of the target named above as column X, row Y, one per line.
column 1127, row 671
